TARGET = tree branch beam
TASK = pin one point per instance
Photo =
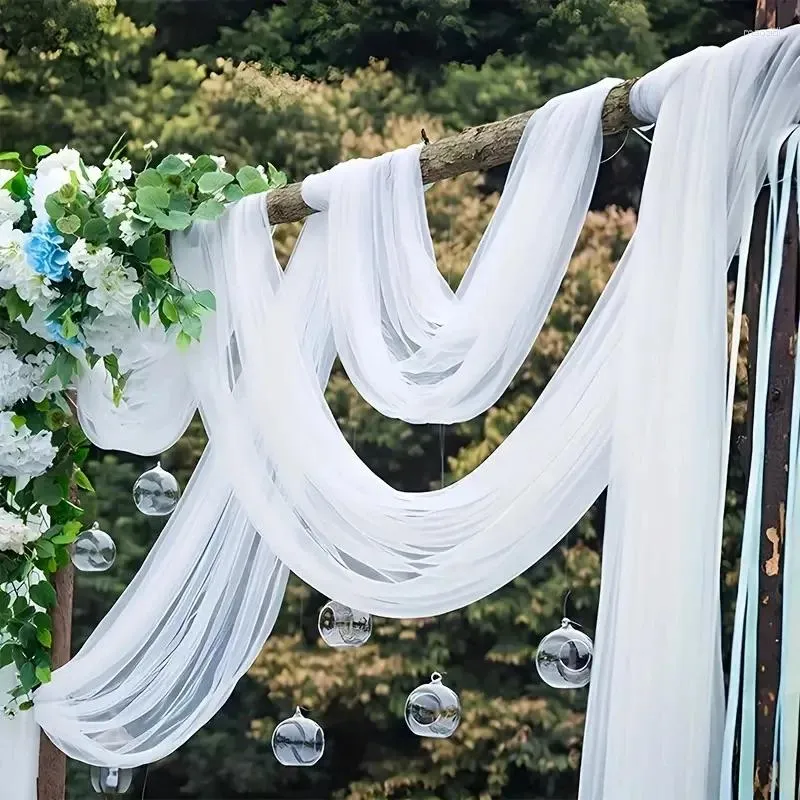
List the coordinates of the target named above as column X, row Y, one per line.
column 472, row 150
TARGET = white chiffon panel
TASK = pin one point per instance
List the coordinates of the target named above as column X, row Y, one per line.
column 279, row 485
column 412, row 347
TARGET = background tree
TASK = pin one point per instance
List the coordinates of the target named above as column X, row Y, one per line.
column 327, row 80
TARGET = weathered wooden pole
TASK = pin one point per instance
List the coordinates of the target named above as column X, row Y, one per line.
column 772, row 14
column 52, row 781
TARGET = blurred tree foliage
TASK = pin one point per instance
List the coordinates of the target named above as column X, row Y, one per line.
column 304, row 84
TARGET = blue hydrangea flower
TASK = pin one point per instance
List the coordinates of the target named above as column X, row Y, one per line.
column 42, row 247
column 54, row 329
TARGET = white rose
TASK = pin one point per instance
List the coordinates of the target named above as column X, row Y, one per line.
column 6, row 175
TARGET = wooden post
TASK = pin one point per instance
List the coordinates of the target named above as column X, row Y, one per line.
column 772, row 14
column 52, row 780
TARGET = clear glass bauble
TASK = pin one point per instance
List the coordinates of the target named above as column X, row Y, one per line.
column 433, row 709
column 156, row 492
column 298, row 741
column 111, row 780
column 342, row 626
column 93, row 551
column 564, row 658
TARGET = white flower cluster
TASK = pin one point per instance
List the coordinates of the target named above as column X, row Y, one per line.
column 16, row 272
column 10, row 209
column 113, row 285
column 15, row 534
column 54, row 171
column 21, row 379
column 23, row 453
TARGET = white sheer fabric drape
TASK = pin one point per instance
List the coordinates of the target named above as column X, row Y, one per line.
column 640, row 402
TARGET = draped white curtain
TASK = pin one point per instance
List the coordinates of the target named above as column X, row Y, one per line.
column 638, row 404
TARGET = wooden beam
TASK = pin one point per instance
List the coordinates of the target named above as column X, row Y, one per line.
column 471, row 150
column 772, row 14
column 52, row 781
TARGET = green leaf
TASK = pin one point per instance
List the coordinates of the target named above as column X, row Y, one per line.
column 96, row 231
column 47, row 491
column 150, row 197
column 16, row 306
column 69, row 329
column 26, row 705
column 45, row 548
column 19, row 606
column 192, row 326
column 172, row 165
column 169, row 310
column 158, row 246
column 43, row 594
column 149, row 177
column 27, row 676
column 18, row 185
column 43, row 674
column 67, row 193
column 180, row 201
column 6, row 656
column 160, row 266
column 276, row 177
column 53, row 207
column 18, row 421
column 42, row 150
column 206, row 299
column 204, row 164
column 141, row 248
column 79, row 476
column 174, row 221
column 9, row 155
column 42, row 621
column 212, row 182
column 208, row 210
column 233, row 193
column 183, row 340
column 68, row 224
column 45, row 638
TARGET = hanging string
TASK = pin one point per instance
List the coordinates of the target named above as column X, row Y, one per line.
column 144, row 782
column 619, row 149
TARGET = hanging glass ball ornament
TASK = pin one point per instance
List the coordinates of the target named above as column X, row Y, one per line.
column 433, row 709
column 156, row 492
column 111, row 780
column 342, row 626
column 564, row 658
column 298, row 741
column 93, row 551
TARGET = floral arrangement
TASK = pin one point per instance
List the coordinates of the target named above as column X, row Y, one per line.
column 84, row 260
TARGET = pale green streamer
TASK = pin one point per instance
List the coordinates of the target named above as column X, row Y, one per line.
column 788, row 707
column 744, row 651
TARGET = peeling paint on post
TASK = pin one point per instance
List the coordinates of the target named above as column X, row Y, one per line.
column 776, row 466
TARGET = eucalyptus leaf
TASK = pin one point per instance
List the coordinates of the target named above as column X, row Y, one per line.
column 47, row 491
column 192, row 326
column 212, row 182
column 68, row 224
column 160, row 266
column 183, row 340
column 96, row 231
column 42, row 150
column 149, row 177
column 171, row 165
column 152, row 197
column 233, row 192
column 208, row 210
column 53, row 207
